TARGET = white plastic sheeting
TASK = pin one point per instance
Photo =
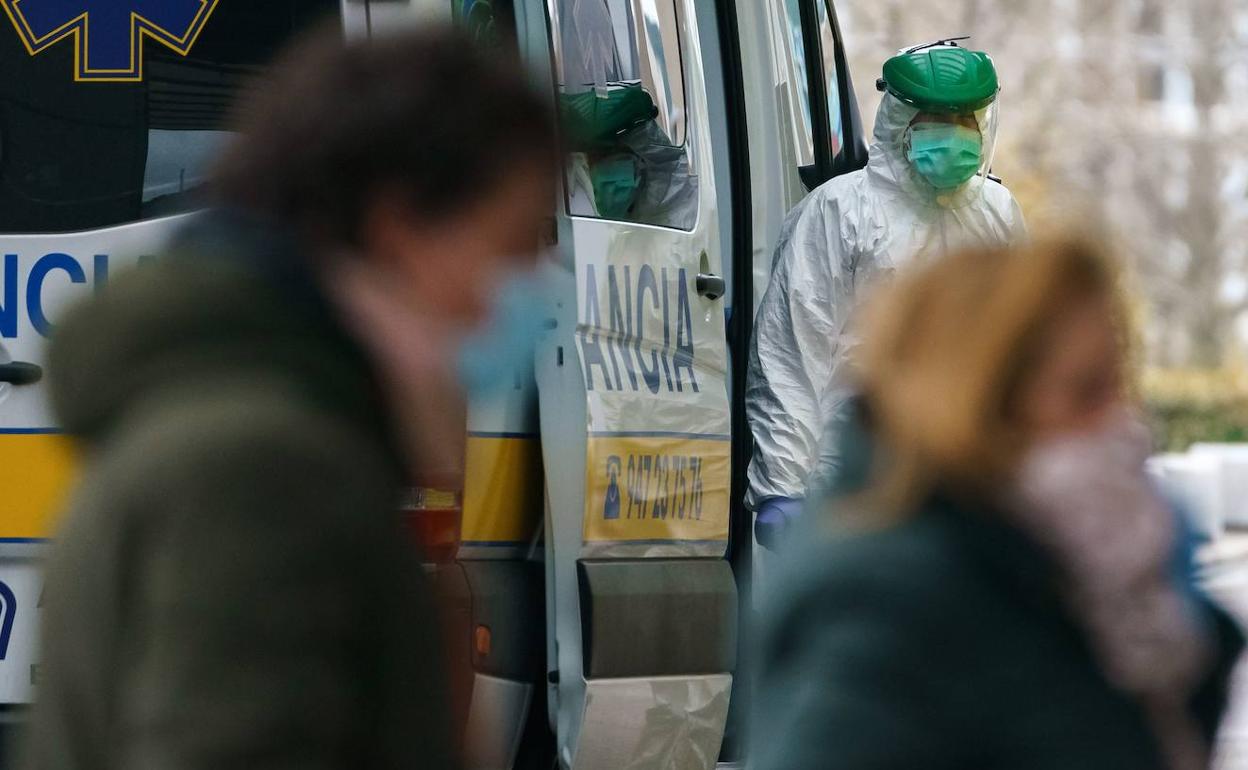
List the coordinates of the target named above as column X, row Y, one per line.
column 653, row 724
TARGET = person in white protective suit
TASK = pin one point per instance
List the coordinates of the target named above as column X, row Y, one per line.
column 623, row 165
column 925, row 191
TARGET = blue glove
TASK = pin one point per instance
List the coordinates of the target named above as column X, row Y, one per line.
column 775, row 516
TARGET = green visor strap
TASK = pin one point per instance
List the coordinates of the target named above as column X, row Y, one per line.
column 942, row 79
column 594, row 120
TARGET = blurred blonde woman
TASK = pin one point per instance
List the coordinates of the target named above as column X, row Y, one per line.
column 994, row 583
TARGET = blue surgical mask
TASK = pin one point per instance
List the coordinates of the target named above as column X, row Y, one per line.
column 499, row 355
column 946, row 155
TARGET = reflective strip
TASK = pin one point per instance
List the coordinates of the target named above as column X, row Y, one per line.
column 502, row 490
column 35, row 474
column 657, row 489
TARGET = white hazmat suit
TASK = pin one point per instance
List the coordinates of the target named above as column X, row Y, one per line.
column 844, row 237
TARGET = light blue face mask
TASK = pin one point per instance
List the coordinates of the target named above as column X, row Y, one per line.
column 946, row 155
column 499, row 355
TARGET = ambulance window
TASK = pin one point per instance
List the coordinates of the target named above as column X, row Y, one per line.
column 831, row 79
column 793, row 69
column 77, row 154
column 624, row 114
column 792, row 48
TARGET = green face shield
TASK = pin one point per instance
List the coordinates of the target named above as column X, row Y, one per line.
column 942, row 79
column 947, row 85
column 595, row 119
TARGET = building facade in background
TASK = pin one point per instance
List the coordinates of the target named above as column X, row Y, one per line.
column 1129, row 114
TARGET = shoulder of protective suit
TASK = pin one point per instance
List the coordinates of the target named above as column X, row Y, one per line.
column 840, row 187
column 998, row 195
column 830, row 201
column 1004, row 208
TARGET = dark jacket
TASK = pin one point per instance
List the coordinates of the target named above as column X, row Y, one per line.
column 231, row 587
column 942, row 642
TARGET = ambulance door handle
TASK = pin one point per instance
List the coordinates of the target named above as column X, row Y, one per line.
column 710, row 285
column 20, row 373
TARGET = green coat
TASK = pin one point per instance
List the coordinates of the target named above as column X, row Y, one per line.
column 231, row 587
column 941, row 642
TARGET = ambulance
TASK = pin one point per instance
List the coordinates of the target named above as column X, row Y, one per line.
column 595, row 561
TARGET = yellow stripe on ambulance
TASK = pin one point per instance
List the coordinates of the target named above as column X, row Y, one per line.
column 503, row 499
column 36, row 471
column 657, row 488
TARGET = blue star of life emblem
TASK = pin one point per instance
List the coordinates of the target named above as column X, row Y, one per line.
column 108, row 35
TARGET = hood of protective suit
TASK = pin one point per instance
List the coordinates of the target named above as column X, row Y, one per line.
column 889, row 167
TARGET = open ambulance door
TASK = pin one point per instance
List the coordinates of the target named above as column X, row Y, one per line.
column 633, row 391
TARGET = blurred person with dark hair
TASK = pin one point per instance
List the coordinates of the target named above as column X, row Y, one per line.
column 995, row 582
column 231, row 587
